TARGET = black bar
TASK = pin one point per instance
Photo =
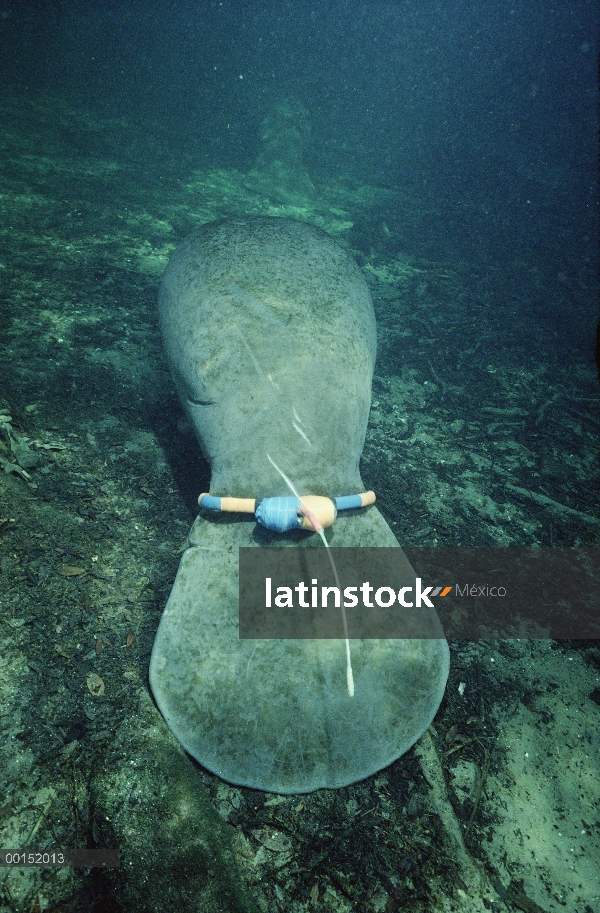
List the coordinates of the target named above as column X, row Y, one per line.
column 473, row 593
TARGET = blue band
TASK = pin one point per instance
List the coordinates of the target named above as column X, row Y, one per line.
column 211, row 502
column 347, row 502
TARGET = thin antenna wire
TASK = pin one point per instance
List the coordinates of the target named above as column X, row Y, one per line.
column 319, row 529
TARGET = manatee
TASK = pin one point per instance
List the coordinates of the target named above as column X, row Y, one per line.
column 269, row 332
column 279, row 171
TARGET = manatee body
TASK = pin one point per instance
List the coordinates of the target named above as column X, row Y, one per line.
column 269, row 331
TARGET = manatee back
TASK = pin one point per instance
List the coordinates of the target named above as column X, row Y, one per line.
column 269, row 331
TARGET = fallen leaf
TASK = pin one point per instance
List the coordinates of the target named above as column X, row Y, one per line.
column 130, row 639
column 451, row 734
column 95, row 685
column 272, row 839
column 23, row 454
column 6, row 811
column 14, row 467
column 69, row 570
column 98, row 645
column 15, row 622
